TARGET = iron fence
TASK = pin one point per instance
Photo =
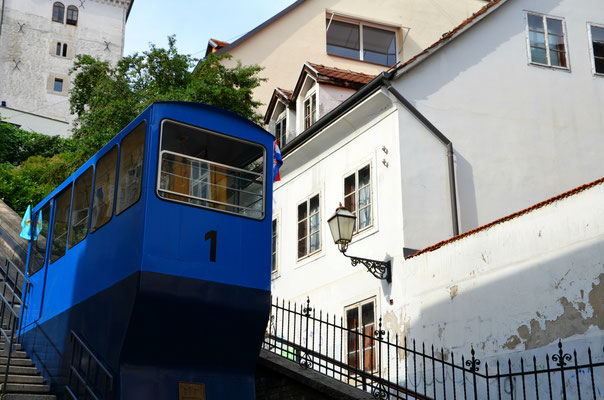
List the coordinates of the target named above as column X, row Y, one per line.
column 391, row 367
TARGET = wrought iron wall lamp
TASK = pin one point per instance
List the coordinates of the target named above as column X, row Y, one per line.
column 341, row 225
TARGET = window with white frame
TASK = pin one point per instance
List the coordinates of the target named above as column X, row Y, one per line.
column 547, row 41
column 310, row 110
column 596, row 37
column 361, row 41
column 281, row 129
column 360, row 321
column 274, row 261
column 309, row 227
column 357, row 197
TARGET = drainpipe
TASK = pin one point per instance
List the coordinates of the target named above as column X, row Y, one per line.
column 442, row 138
column 1, row 16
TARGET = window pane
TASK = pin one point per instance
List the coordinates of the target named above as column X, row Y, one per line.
column 364, row 217
column 301, row 248
column 57, row 12
column 556, row 42
column 72, row 15
column 274, row 247
column 104, row 189
column 314, row 204
column 59, row 231
column 600, row 65
column 554, row 26
column 82, row 190
column 58, row 52
column 211, row 170
column 58, row 87
column 597, row 34
column 535, row 23
column 557, row 59
column 599, row 49
column 38, row 248
column 364, row 196
column 302, row 229
column 343, row 39
column 302, row 211
column 349, row 185
column 538, row 55
column 349, row 203
column 364, row 176
column 64, row 50
column 131, row 168
column 379, row 46
column 315, row 242
column 537, row 39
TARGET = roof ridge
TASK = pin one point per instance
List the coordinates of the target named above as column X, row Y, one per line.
column 528, row 210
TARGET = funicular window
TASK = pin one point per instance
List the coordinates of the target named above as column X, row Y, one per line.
column 60, row 225
column 40, row 236
column 82, row 190
column 131, row 169
column 104, row 188
column 211, row 170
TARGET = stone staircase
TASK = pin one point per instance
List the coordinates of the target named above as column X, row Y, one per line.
column 24, row 381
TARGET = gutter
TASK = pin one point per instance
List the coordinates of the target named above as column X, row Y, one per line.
column 2, row 16
column 384, row 79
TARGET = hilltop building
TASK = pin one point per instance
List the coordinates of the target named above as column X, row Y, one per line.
column 39, row 40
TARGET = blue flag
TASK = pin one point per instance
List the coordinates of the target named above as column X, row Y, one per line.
column 26, row 224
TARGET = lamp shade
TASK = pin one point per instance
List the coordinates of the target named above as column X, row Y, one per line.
column 341, row 225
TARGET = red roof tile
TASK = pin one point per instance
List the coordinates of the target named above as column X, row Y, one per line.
column 512, row 216
column 219, row 43
column 448, row 35
column 340, row 77
column 284, row 94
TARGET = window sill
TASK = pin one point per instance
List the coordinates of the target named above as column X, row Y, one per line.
column 363, row 61
column 300, row 262
column 275, row 275
column 551, row 67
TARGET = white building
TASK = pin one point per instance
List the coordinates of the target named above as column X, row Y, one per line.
column 501, row 113
column 39, row 40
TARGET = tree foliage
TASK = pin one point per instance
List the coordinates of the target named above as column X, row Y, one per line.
column 104, row 99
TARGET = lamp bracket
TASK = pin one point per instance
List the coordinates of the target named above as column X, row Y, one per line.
column 379, row 269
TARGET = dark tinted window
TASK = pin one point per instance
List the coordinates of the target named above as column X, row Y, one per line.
column 130, row 175
column 104, row 189
column 38, row 248
column 72, row 15
column 58, row 9
column 82, row 190
column 60, row 225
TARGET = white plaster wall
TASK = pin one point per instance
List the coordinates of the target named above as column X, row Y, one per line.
column 521, row 133
column 331, row 97
column 36, row 123
column 320, row 167
column 519, row 285
column 25, row 88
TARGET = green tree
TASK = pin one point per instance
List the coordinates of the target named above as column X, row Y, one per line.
column 105, row 98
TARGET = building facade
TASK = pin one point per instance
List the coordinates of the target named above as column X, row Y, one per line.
column 362, row 36
column 499, row 114
column 39, row 40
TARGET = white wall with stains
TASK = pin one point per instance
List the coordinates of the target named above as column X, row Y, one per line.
column 519, row 285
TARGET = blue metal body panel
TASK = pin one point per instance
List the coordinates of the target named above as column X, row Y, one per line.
column 99, row 290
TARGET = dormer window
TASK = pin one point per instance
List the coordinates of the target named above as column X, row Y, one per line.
column 310, row 110
column 281, row 129
column 72, row 15
column 361, row 41
column 58, row 10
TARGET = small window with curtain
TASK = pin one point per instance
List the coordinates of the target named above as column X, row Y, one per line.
column 357, row 197
column 58, row 51
column 596, row 34
column 547, row 41
column 104, row 189
column 72, row 15
column 37, row 255
column 58, row 10
column 60, row 224
column 130, row 176
column 309, row 227
column 310, row 110
column 82, row 191
column 360, row 322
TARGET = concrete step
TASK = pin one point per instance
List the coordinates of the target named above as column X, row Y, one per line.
column 24, row 396
column 29, row 388
column 18, row 370
column 24, row 379
column 21, row 362
column 16, row 346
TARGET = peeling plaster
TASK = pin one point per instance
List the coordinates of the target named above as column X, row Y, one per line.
column 570, row 322
column 453, row 291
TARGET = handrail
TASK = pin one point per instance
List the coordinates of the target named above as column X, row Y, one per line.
column 83, row 378
column 260, row 174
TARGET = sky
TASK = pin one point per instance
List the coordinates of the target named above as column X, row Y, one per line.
column 194, row 22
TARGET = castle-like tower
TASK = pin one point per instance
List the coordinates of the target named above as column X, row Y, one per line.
column 39, row 40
